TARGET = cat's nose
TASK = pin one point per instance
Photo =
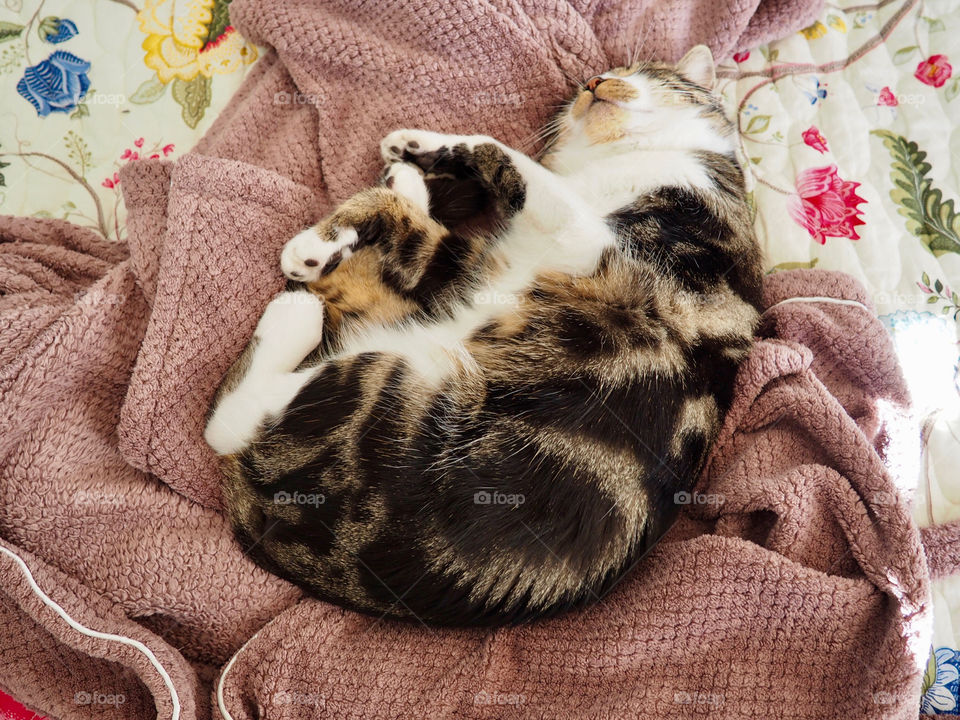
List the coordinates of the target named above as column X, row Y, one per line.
column 594, row 81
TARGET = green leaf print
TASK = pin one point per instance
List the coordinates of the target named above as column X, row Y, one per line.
column 194, row 97
column 940, row 292
column 220, row 20
column 9, row 31
column 793, row 266
column 953, row 89
column 150, row 90
column 930, row 217
column 757, row 124
column 904, row 54
column 78, row 152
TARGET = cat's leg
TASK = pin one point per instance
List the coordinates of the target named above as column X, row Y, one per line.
column 264, row 380
column 407, row 255
column 505, row 172
column 529, row 195
column 519, row 183
column 319, row 250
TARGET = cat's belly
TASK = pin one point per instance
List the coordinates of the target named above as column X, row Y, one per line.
column 437, row 350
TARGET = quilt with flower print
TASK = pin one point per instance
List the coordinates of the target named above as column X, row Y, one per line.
column 89, row 86
column 851, row 134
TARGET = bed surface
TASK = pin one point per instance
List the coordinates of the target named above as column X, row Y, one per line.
column 850, row 133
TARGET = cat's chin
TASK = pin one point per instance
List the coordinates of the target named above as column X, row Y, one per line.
column 605, row 122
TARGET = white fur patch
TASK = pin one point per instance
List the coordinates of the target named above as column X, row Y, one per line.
column 305, row 255
column 407, row 180
column 290, row 328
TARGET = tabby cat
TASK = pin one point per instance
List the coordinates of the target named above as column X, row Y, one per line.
column 485, row 427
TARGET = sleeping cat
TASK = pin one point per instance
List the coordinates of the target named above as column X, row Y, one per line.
column 471, row 428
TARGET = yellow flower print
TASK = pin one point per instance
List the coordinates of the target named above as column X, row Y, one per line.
column 812, row 32
column 176, row 42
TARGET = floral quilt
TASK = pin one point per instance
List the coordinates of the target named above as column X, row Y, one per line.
column 87, row 87
column 850, row 133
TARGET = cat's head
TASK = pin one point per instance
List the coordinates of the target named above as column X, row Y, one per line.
column 646, row 105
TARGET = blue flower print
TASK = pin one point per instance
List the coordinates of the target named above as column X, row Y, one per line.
column 57, row 30
column 940, row 695
column 55, row 85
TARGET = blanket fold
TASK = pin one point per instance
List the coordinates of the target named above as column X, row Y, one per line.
column 103, row 663
column 225, row 218
column 793, row 562
column 79, row 524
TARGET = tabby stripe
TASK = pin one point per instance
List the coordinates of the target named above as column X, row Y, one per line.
column 725, row 172
column 327, row 401
column 682, row 230
column 447, row 267
column 637, row 418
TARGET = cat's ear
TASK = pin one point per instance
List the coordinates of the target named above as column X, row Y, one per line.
column 697, row 65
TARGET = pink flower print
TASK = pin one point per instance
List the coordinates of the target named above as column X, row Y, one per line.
column 935, row 71
column 813, row 138
column 887, row 98
column 826, row 205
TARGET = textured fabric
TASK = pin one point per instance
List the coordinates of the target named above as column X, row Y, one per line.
column 795, row 560
column 313, row 113
column 122, row 551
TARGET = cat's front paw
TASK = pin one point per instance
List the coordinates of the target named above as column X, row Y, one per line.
column 407, row 180
column 420, row 147
column 308, row 255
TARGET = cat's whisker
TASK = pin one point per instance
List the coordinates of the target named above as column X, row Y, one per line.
column 545, row 133
column 576, row 83
column 634, row 56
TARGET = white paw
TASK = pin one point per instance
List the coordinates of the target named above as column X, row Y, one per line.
column 397, row 144
column 238, row 418
column 407, row 180
column 233, row 425
column 307, row 256
column 289, row 329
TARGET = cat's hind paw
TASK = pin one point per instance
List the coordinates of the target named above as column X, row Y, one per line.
column 308, row 255
column 420, row 147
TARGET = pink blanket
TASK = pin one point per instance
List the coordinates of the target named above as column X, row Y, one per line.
column 795, row 579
